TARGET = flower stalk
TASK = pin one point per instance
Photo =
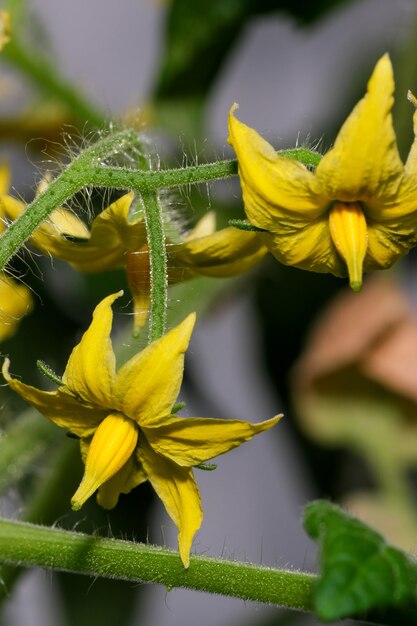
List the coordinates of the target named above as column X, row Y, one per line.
column 158, row 264
column 88, row 170
column 52, row 548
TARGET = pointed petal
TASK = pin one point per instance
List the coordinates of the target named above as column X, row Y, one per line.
column 130, row 476
column 90, row 370
column 59, row 406
column 309, row 248
column 15, row 302
column 190, row 441
column 348, row 230
column 148, row 385
column 110, row 449
column 400, row 212
column 227, row 252
column 364, row 161
column 177, row 489
column 275, row 188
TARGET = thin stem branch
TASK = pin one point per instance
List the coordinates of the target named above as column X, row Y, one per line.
column 87, row 170
column 29, row 545
column 158, row 264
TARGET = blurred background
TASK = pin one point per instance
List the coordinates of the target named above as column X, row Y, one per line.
column 341, row 366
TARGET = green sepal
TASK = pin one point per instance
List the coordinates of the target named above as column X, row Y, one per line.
column 208, row 467
column 245, row 225
column 360, row 570
column 47, row 371
column 177, row 407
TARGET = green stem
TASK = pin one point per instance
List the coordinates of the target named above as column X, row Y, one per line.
column 158, row 264
column 63, row 187
column 52, row 548
column 40, row 72
column 164, row 179
column 87, row 169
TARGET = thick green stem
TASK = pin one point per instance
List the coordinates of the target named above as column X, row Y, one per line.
column 158, row 264
column 29, row 545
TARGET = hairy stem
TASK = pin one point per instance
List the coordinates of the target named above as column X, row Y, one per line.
column 88, row 170
column 29, row 545
column 158, row 264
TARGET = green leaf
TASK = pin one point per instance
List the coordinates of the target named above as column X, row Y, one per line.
column 360, row 570
column 245, row 225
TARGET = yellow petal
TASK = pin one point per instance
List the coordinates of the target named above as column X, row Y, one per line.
column 148, row 384
column 179, row 493
column 309, row 248
column 15, row 302
column 190, row 441
column 90, row 370
column 227, row 252
column 274, row 188
column 400, row 211
column 387, row 243
column 348, row 229
column 205, row 226
column 138, row 277
column 59, row 406
column 4, row 178
column 111, row 447
column 112, row 237
column 49, row 237
column 364, row 161
column 127, row 478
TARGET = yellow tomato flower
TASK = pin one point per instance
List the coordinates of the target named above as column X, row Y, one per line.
column 125, row 422
column 356, row 212
column 117, row 240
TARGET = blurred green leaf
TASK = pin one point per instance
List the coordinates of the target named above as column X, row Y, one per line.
column 200, row 34
column 360, row 570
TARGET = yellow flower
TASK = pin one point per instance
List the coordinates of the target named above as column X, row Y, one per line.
column 117, row 240
column 356, row 212
column 125, row 422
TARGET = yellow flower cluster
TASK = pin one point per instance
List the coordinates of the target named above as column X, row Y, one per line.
column 356, row 212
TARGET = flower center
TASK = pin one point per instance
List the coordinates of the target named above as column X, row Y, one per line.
column 349, row 233
column 111, row 447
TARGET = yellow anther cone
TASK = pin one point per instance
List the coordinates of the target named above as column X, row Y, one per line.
column 348, row 230
column 111, row 447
